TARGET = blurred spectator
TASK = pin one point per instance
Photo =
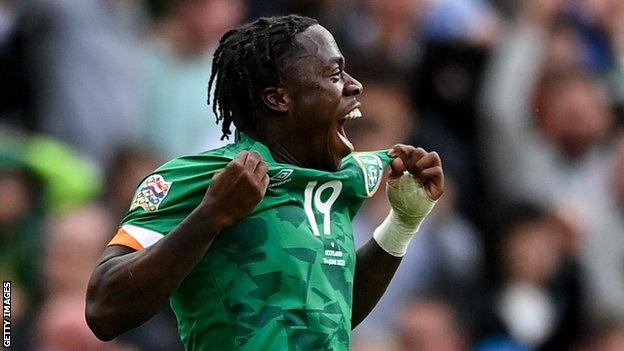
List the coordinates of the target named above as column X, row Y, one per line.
column 21, row 216
column 457, row 37
column 375, row 340
column 81, row 59
column 7, row 20
column 557, row 151
column 326, row 11
column 443, row 87
column 473, row 21
column 430, row 325
column 70, row 180
column 69, row 245
column 62, row 327
column 20, row 219
column 548, row 135
column 129, row 166
column 16, row 105
column 38, row 176
column 605, row 336
column 67, row 179
column 383, row 31
column 572, row 113
column 538, row 302
column 612, row 20
column 617, row 175
column 603, row 247
column 175, row 68
column 74, row 240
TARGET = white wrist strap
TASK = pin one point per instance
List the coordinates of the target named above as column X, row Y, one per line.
column 410, row 205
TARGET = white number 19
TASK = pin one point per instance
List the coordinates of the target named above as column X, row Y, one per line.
column 322, row 207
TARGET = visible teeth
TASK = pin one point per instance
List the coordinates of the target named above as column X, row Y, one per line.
column 355, row 113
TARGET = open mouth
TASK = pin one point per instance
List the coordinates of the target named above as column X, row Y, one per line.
column 353, row 114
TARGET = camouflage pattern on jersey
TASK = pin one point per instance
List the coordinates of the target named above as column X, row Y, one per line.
column 282, row 278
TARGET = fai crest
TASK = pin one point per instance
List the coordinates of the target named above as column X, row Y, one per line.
column 151, row 193
column 372, row 167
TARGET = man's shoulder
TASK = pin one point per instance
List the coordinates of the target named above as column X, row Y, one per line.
column 176, row 187
column 180, row 176
column 206, row 161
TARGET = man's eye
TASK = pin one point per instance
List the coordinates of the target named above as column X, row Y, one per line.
column 337, row 74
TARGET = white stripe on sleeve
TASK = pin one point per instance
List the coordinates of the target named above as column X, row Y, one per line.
column 145, row 237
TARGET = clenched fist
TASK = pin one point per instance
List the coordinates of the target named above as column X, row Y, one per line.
column 425, row 166
column 415, row 182
column 235, row 191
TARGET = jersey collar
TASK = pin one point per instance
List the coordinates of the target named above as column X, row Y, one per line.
column 249, row 143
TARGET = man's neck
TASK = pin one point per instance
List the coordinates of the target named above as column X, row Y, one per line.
column 280, row 148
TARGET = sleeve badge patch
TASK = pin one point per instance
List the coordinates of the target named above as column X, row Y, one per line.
column 151, row 193
column 372, row 167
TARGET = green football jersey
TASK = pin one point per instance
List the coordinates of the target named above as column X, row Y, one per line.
column 281, row 278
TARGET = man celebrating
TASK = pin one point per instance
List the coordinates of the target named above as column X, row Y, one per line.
column 253, row 242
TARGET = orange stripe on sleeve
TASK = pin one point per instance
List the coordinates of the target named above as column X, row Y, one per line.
column 123, row 238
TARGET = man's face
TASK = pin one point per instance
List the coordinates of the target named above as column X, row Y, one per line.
column 576, row 117
column 322, row 97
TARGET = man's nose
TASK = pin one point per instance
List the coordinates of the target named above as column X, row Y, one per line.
column 352, row 86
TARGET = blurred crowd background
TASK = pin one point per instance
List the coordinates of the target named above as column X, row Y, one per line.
column 523, row 99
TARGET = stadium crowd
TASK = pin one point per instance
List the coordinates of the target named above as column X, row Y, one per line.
column 524, row 101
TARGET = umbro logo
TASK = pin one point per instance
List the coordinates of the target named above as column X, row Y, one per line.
column 281, row 177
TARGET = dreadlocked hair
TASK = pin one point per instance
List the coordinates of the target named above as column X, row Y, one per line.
column 246, row 62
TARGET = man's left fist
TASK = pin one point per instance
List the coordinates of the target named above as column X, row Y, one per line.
column 425, row 166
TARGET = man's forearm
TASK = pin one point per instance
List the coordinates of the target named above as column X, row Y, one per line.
column 128, row 289
column 374, row 270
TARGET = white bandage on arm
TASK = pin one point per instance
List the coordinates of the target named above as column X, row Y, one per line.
column 410, row 205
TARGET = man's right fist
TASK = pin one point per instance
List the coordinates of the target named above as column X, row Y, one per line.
column 237, row 189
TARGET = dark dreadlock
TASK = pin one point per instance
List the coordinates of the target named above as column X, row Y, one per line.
column 245, row 63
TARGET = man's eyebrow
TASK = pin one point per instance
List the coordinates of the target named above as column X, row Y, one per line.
column 340, row 60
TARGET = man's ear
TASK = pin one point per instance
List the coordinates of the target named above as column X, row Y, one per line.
column 277, row 98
